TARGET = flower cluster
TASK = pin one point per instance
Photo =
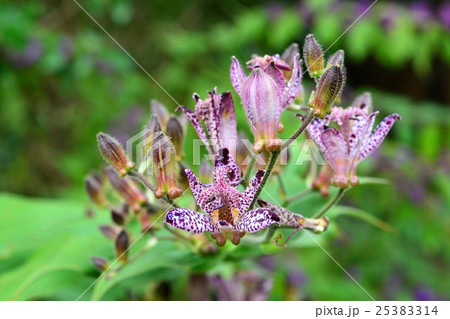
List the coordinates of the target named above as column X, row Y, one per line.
column 230, row 203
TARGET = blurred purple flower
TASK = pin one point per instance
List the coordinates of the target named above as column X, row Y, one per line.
column 444, row 14
column 124, row 126
column 29, row 56
column 422, row 293
column 388, row 17
column 66, row 47
column 361, row 7
column 246, row 286
column 274, row 11
column 296, row 278
column 421, row 12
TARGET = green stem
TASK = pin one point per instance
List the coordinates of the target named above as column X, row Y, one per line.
column 330, row 204
column 248, row 172
column 299, row 131
column 147, row 184
column 269, row 169
column 297, row 197
column 270, row 233
column 282, row 186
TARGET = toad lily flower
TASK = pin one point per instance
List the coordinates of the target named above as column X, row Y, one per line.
column 226, row 208
column 265, row 94
column 217, row 113
column 345, row 148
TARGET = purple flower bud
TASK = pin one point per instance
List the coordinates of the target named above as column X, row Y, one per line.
column 128, row 189
column 165, row 167
column 160, row 112
column 114, row 154
column 95, row 191
column 101, row 264
column 118, row 215
column 313, row 56
column 336, row 59
column 327, row 89
column 174, row 131
column 110, row 231
column 121, row 245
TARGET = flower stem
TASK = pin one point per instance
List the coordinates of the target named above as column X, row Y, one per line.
column 330, row 204
column 269, row 169
column 297, row 197
column 147, row 184
column 248, row 172
column 299, row 131
column 282, row 186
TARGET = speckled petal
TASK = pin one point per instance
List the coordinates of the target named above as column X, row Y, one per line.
column 237, row 75
column 287, row 217
column 359, row 132
column 257, row 219
column 294, row 86
column 251, row 189
column 196, row 124
column 233, row 172
column 336, row 150
column 228, row 127
column 190, row 221
column 377, row 137
column 315, row 130
column 197, row 188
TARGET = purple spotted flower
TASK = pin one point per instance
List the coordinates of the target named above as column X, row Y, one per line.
column 265, row 94
column 218, row 115
column 226, row 208
column 346, row 147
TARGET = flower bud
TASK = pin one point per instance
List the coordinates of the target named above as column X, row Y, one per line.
column 364, row 102
column 323, row 181
column 336, row 59
column 327, row 89
column 100, row 263
column 313, row 56
column 128, row 189
column 165, row 167
column 114, row 154
column 159, row 111
column 118, row 215
column 315, row 225
column 110, row 231
column 174, row 131
column 95, row 191
column 122, row 245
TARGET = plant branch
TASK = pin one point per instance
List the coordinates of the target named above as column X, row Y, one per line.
column 248, row 172
column 330, row 204
column 299, row 131
column 273, row 159
column 297, row 197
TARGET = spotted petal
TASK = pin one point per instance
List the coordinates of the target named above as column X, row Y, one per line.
column 197, row 188
column 251, row 190
column 228, row 128
column 233, row 172
column 336, row 150
column 237, row 75
column 359, row 132
column 294, row 86
column 287, row 217
column 196, row 124
column 315, row 129
column 377, row 137
column 257, row 219
column 190, row 221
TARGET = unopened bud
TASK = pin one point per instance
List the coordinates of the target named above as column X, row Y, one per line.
column 336, row 59
column 174, row 131
column 288, row 56
column 122, row 245
column 100, row 263
column 327, row 89
column 313, row 56
column 364, row 102
column 114, row 154
column 110, row 231
column 118, row 215
column 315, row 225
column 128, row 189
column 95, row 191
column 159, row 111
column 165, row 167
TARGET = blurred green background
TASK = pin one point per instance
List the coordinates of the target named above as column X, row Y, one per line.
column 62, row 80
